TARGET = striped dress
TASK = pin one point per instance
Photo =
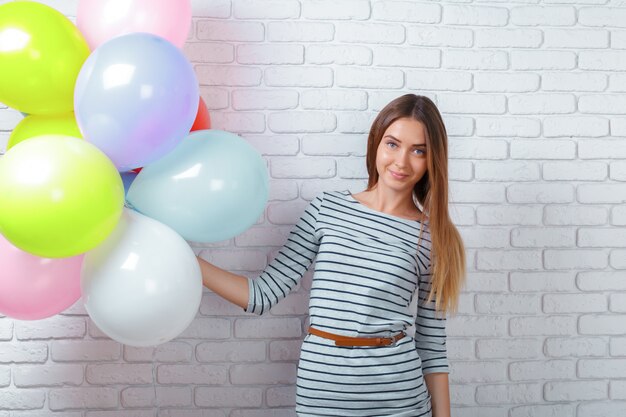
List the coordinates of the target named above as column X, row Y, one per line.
column 367, row 269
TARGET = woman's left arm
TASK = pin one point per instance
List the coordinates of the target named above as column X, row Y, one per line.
column 439, row 390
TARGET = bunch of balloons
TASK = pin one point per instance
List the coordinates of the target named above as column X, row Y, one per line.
column 93, row 121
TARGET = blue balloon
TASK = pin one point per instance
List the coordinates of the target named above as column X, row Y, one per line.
column 212, row 187
column 136, row 97
column 127, row 179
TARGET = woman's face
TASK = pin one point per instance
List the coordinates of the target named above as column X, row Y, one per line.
column 401, row 155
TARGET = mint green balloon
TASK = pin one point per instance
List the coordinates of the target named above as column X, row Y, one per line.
column 211, row 187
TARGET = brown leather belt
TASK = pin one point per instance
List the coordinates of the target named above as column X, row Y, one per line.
column 356, row 341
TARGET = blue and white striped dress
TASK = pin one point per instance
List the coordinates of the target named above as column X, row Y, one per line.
column 367, row 270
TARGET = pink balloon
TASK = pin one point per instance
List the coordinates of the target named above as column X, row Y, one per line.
column 33, row 288
column 101, row 20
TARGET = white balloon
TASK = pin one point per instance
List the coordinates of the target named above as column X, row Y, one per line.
column 142, row 286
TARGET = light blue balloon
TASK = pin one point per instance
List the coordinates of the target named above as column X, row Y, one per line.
column 136, row 98
column 212, row 187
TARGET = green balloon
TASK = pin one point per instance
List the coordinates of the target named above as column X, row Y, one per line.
column 41, row 53
column 59, row 196
column 38, row 125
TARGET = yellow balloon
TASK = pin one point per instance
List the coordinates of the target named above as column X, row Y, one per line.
column 43, row 124
column 41, row 53
column 59, row 196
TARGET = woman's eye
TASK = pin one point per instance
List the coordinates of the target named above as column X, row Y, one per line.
column 419, row 151
column 391, row 144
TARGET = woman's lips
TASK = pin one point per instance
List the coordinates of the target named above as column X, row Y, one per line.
column 397, row 175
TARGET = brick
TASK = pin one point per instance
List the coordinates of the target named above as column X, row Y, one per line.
column 602, row 193
column 617, row 303
column 540, row 193
column 543, row 60
column 543, row 149
column 543, row 237
column 231, row 352
column 476, row 193
column 405, row 11
column 475, row 60
column 217, row 8
column 228, row 75
column 166, row 352
column 508, row 38
column 355, row 122
column 263, row 374
column 601, row 281
column 218, row 53
column 476, row 326
column 300, row 31
column 17, row 399
column 24, row 353
column 229, row 31
column 543, row 281
column 271, row 54
column 618, row 346
column 475, row 15
column 192, row 374
column 579, row 126
column 369, row 78
column 228, row 397
column 574, row 303
column 6, row 329
column 543, row 410
column 574, row 171
column 509, row 215
column 215, row 99
column 542, row 104
column 601, row 237
column 507, row 303
column 522, row 348
column 82, row 398
column 581, row 81
column 602, row 324
column 264, row 99
column 298, row 77
column 334, row 100
column 165, row 397
column 406, row 56
column 285, row 167
column 338, row 54
column 438, row 80
column 543, row 16
column 373, row 33
column 576, row 38
column 468, row 372
column 274, row 145
column 601, row 368
column 602, row 16
column 268, row 328
column 617, row 82
column 485, row 237
column 351, row 168
column 612, row 408
column 334, row 145
column 262, row 236
column 269, row 9
column 601, row 104
column 506, row 171
column 542, row 326
column 47, row 375
column 460, row 170
column 618, row 216
column 575, row 215
column 285, row 350
column 542, row 370
column 575, row 347
column 114, row 374
column 576, row 390
column 575, row 259
column 618, row 171
column 433, row 35
column 328, row 9
column 281, row 396
column 507, row 394
column 211, row 328
column 496, row 82
column 56, row 327
column 471, row 103
column 508, row 127
column 486, row 282
column 606, row 60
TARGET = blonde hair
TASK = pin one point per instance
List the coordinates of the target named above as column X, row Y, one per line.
column 447, row 250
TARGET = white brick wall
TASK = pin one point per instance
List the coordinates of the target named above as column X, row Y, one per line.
column 532, row 93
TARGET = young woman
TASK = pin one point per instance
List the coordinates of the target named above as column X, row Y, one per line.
column 374, row 252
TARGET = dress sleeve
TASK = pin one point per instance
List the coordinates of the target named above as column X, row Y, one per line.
column 430, row 330
column 285, row 271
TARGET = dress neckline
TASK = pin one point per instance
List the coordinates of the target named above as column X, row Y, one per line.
column 382, row 213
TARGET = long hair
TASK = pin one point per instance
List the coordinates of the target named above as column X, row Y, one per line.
column 431, row 192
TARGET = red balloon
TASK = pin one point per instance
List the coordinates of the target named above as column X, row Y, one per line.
column 203, row 120
column 137, row 170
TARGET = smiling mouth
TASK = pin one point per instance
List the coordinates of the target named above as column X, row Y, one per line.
column 397, row 175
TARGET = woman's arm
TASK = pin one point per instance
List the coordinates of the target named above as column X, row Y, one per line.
column 439, row 390
column 232, row 287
